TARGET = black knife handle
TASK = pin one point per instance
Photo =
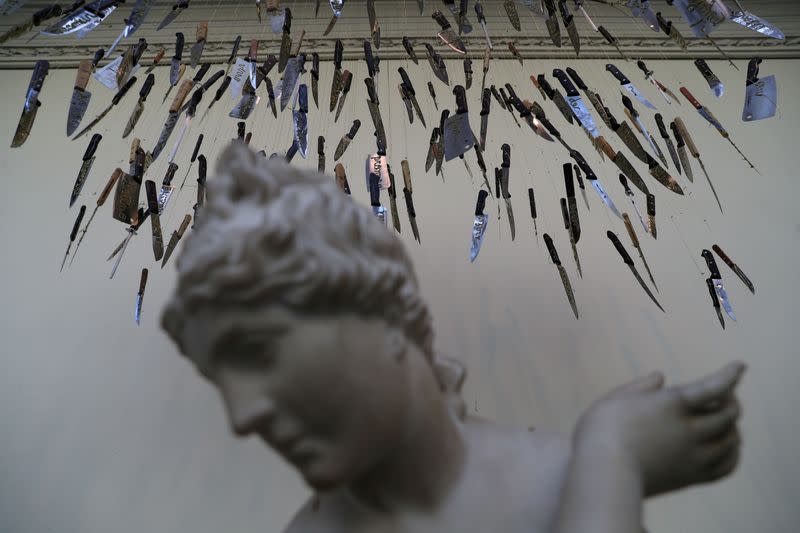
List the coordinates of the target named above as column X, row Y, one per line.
column 406, row 80
column 624, row 181
column 391, row 189
column 704, row 69
column 440, row 19
column 577, row 79
column 337, row 53
column 569, row 182
column 617, row 73
column 549, row 127
column 287, row 22
column 354, row 128
column 548, row 241
column 651, row 205
column 629, row 105
column 369, row 58
column 213, row 79
column 197, row 95
column 467, row 66
column 442, row 118
column 171, row 170
column 222, row 88
column 123, row 90
column 664, row 24
column 643, row 67
column 512, row 95
column 576, row 169
column 562, row 77
column 92, row 148
column 76, row 226
column 197, row 147
column 179, row 42
column 481, row 205
column 202, row 168
column 152, row 196
column 347, row 80
column 240, row 129
column 608, row 37
column 545, row 85
column 506, row 149
column 677, row 134
column 565, row 212
column 374, row 190
column 621, row 249
column 497, row 174
column 486, row 102
column 373, row 96
column 315, row 65
column 431, row 90
column 201, row 72
column 752, row 70
column 504, row 97
column 565, row 13
column 148, row 84
column 98, row 56
column 409, row 203
column 379, row 144
column 320, row 145
column 236, row 44
column 40, row 71
column 532, row 202
column 712, row 292
column 584, row 166
column 461, row 99
column 479, row 13
column 662, row 128
column 712, row 264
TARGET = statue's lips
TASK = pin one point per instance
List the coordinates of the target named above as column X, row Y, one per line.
column 293, row 448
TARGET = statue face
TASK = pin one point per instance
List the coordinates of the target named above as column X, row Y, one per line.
column 328, row 393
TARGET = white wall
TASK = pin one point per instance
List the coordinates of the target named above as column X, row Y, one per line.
column 105, row 428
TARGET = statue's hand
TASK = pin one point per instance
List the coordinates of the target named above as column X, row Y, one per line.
column 673, row 437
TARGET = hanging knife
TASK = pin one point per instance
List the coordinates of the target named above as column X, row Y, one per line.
column 234, row 52
column 626, row 83
column 86, row 166
column 482, row 20
column 671, row 31
column 79, row 21
column 374, row 111
column 433, row 95
column 175, row 238
column 271, row 97
column 626, row 135
column 138, row 109
column 629, row 194
column 635, row 242
column 392, row 190
column 532, row 202
column 199, row 45
column 374, row 27
column 100, row 201
column 527, row 115
column 407, row 102
column 300, row 118
column 568, row 227
column 344, row 142
column 619, row 159
column 315, row 78
column 610, row 39
column 410, row 50
column 437, row 64
column 597, row 103
column 117, row 97
column 709, row 116
column 738, row 271
column 592, row 177
column 536, row 84
column 336, row 84
column 372, row 69
column 447, row 35
column 665, row 92
column 582, row 187
column 761, row 94
column 467, row 73
column 479, row 225
column 202, row 169
column 347, row 80
column 175, row 65
column 32, row 103
column 754, row 22
column 662, row 129
column 719, row 288
column 44, row 14
column 682, row 155
column 375, row 195
column 191, row 162
column 132, row 230
column 172, row 119
column 321, row 154
column 651, row 215
column 487, row 56
column 412, row 94
column 252, row 60
column 126, row 195
column 134, row 21
column 407, row 194
column 431, row 157
column 80, row 96
column 515, row 53
column 557, row 98
column 569, row 23
column 167, row 188
column 482, row 166
column 634, row 115
column 628, row 261
column 177, row 9
column 715, row 301
column 341, row 179
column 507, row 105
column 551, row 21
column 561, row 272
column 286, row 41
column 576, row 103
column 156, row 60
column 155, row 219
column 684, row 132
column 458, row 136
column 439, row 148
column 504, row 175
column 486, row 101
column 513, row 16
column 140, row 296
column 572, row 204
column 73, row 234
column 713, row 81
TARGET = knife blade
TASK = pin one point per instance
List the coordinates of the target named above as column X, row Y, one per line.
column 78, row 21
column 155, row 219
column 592, row 177
column 86, row 166
column 504, row 192
column 682, row 155
column 174, row 71
column 482, row 20
column 347, row 80
column 630, row 87
column 392, row 191
column 651, row 215
column 138, row 109
column 412, row 94
column 576, row 103
column 557, row 98
column 220, row 91
column 486, row 101
column 668, row 95
column 234, row 52
column 431, row 157
column 100, row 201
column 374, row 27
column 576, row 169
column 467, row 73
column 407, row 102
column 597, row 103
column 569, row 23
column 437, row 64
column 321, row 154
column 532, row 203
column 511, row 12
column 167, row 188
column 300, row 119
column 197, row 49
column 74, row 233
column 507, row 105
column 671, row 31
column 315, row 78
column 140, row 296
column 336, row 83
column 341, row 178
column 761, row 94
column 637, row 245
column 634, row 115
column 753, row 22
column 561, row 272
column 628, row 261
column 175, row 238
column 514, row 52
column 479, row 224
column 629, row 194
column 619, row 159
column 713, row 81
column 568, row 227
column 626, row 135
column 114, row 101
column 407, row 194
column 432, row 92
column 80, row 96
column 447, row 35
column 374, row 111
column 458, row 136
column 271, row 97
column 525, row 112
column 294, row 67
column 551, row 22
column 177, row 9
column 139, row 12
column 409, row 48
column 172, row 118
column 32, row 103
column 733, row 266
column 344, row 142
column 715, row 301
column 719, row 288
column 662, row 129
column 286, row 41
column 252, row 60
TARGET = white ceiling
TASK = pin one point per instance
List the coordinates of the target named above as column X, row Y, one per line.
column 229, row 18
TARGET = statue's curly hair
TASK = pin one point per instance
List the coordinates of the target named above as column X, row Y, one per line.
column 272, row 234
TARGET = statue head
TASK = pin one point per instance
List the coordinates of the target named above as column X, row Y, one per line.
column 305, row 312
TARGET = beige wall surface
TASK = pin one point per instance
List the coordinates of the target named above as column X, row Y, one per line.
column 104, row 428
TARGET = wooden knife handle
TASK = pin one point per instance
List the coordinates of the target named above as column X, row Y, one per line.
column 84, row 73
column 633, row 121
column 202, row 31
column 631, row 232
column 406, row 174
column 687, row 138
column 183, row 91
column 607, row 149
column 722, row 255
column 187, row 219
column 253, row 53
column 135, row 144
column 272, row 6
column 297, row 43
column 143, row 281
column 159, row 55
column 110, row 185
column 689, row 96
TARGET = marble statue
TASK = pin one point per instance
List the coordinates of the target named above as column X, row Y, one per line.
column 304, row 311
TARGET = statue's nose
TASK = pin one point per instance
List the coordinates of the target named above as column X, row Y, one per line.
column 249, row 409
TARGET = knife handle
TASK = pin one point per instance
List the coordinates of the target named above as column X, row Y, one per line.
column 631, row 231
column 431, row 90
column 320, row 145
column 687, row 138
column 752, row 70
column 479, row 13
column 76, row 226
column 629, row 106
column 337, row 53
column 406, row 175
column 562, row 77
column 651, row 205
column 712, row 292
column 461, row 99
column 677, row 134
column 197, row 148
column 287, row 21
column 689, row 96
column 213, row 79
column 374, row 190
column 138, row 165
column 497, row 174
column 84, row 73
column 607, row 149
column 240, row 129
column 143, row 281
column 621, row 249
column 171, row 170
column 576, row 169
column 341, row 178
column 549, row 127
column 486, row 102
column 565, row 213
column 354, row 129
column 569, row 181
column 187, row 219
column 722, row 255
column 532, row 202
column 608, row 37
column 297, row 43
column 506, row 149
column 201, row 72
column 409, row 203
column 565, row 13
column 202, row 31
column 406, row 80
column 662, row 128
column 46, row 13
column 704, row 69
column 440, row 19
column 643, row 67
column 617, row 73
column 584, row 166
column 180, row 97
column 252, row 53
column 147, row 86
column 487, row 56
column 504, row 97
column 152, row 197
column 100, row 53
column 548, row 241
column 236, row 44
column 664, row 24
column 577, row 79
column 347, row 80
column 467, row 66
column 123, row 90
column 179, row 42
column 92, row 148
column 624, row 182
column 202, row 168
column 512, row 95
column 315, row 65
column 112, row 180
column 481, row 204
column 712, row 264
column 159, row 55
column 136, row 144
column 392, row 190
column 373, row 96
column 442, row 119
column 545, row 85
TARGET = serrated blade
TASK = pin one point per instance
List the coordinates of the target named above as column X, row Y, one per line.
column 134, row 118
column 562, row 272
column 169, row 126
column 625, row 166
column 77, row 109
column 81, row 179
